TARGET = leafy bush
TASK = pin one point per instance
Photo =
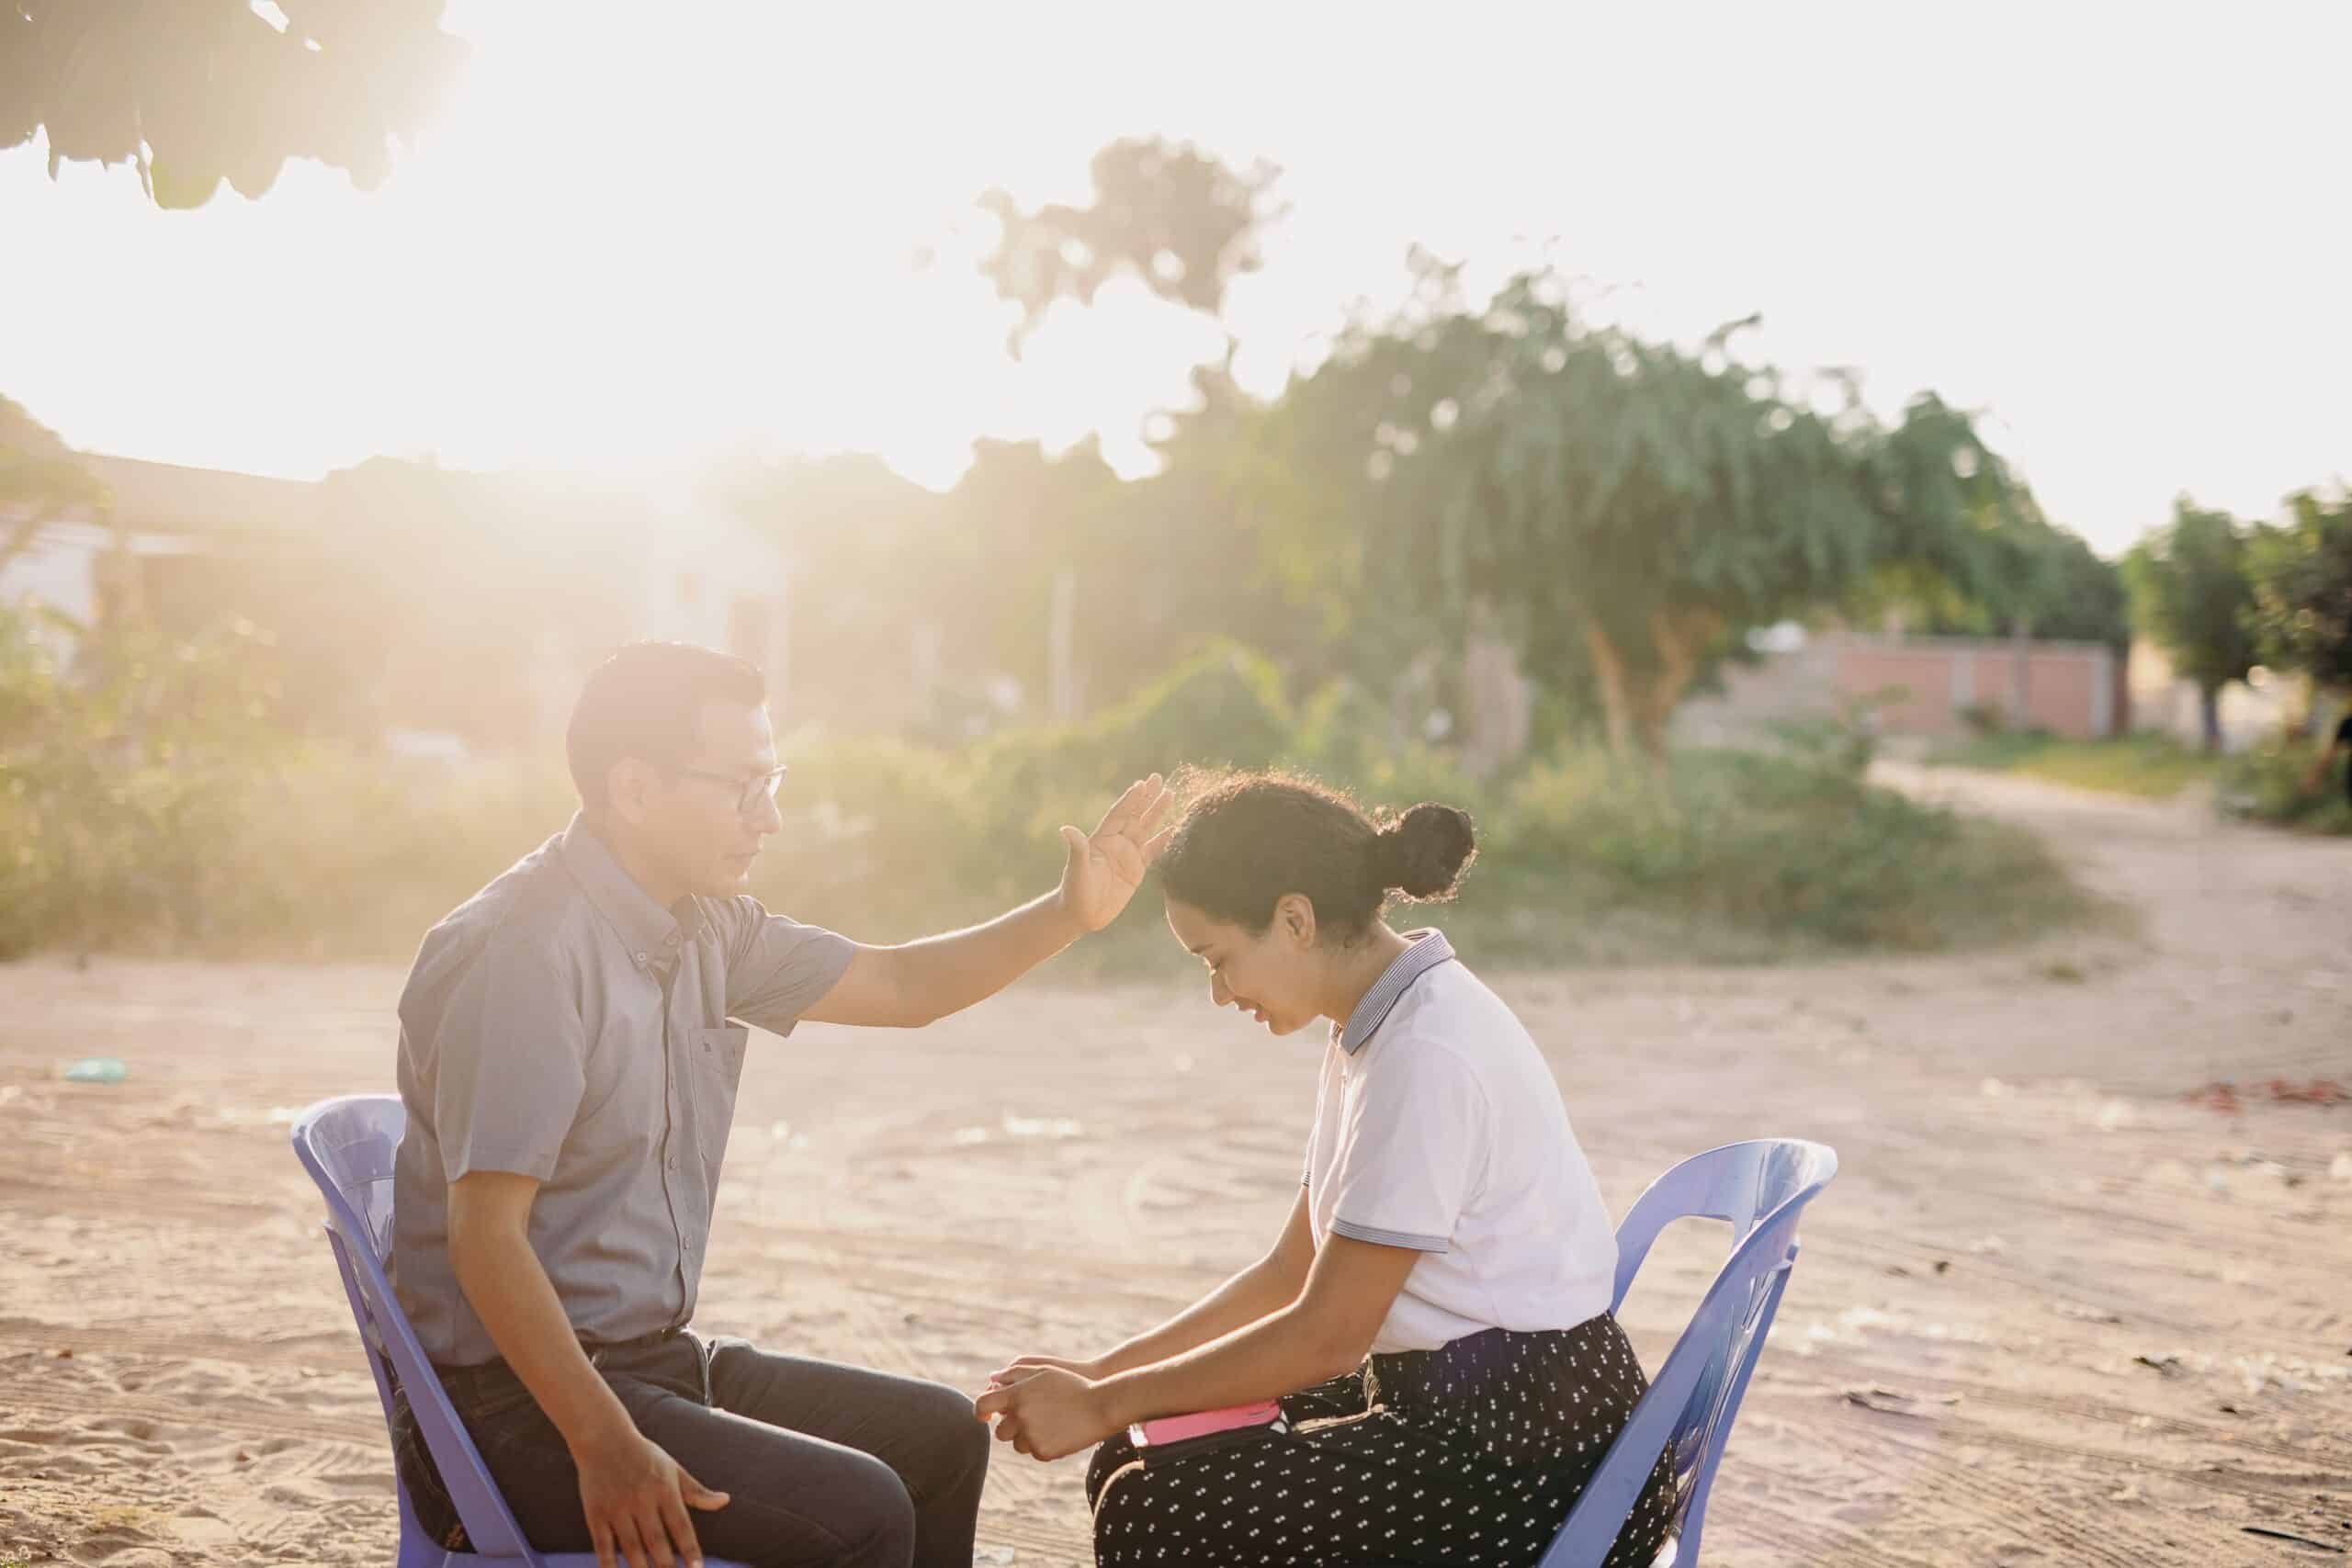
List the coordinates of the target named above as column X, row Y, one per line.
column 151, row 807
column 1792, row 852
column 889, row 840
column 341, row 853
column 2270, row 782
column 1729, row 856
column 1984, row 718
column 118, row 784
column 1224, row 704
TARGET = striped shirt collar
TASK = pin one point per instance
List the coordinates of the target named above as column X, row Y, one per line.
column 1428, row 950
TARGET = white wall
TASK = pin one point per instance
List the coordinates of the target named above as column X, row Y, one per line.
column 59, row 571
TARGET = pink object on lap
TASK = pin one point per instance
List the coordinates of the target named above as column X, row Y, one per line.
column 1169, row 1429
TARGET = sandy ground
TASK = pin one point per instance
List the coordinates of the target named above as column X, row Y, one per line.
column 2052, row 1312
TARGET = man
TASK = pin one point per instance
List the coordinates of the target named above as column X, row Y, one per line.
column 569, row 1063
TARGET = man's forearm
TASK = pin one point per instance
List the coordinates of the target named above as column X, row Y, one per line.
column 511, row 1293
column 947, row 974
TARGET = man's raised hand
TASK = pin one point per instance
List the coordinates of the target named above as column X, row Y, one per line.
column 1106, row 867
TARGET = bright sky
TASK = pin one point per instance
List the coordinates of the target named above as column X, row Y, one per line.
column 638, row 234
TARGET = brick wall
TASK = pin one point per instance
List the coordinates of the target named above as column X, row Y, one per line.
column 2070, row 689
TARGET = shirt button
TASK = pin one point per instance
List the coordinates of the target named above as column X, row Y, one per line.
column 641, row 958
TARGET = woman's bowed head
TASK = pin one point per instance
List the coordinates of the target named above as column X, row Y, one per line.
column 1278, row 883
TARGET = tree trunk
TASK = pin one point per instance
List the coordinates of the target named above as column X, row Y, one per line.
column 2209, row 709
column 1610, row 670
column 1678, row 641
column 121, row 588
column 1649, row 728
column 922, row 683
column 1061, row 648
column 1495, row 697
column 2021, row 668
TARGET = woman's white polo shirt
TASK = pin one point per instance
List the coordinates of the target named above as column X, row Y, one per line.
column 1439, row 1127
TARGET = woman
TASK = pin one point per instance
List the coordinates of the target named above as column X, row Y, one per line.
column 1434, row 1314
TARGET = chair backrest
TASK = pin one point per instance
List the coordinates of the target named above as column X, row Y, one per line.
column 348, row 1144
column 1760, row 1188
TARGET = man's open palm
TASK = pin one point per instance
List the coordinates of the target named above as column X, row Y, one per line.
column 1107, row 865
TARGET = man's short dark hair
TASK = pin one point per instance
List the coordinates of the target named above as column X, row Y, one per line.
column 644, row 702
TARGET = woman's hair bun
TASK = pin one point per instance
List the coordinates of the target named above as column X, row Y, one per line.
column 1424, row 853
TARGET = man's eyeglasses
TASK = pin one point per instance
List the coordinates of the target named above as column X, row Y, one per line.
column 755, row 788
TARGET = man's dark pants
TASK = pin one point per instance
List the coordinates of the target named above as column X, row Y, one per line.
column 823, row 1464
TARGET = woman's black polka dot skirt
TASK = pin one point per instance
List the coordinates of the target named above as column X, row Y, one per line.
column 1469, row 1454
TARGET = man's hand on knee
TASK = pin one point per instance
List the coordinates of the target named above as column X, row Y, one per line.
column 636, row 1498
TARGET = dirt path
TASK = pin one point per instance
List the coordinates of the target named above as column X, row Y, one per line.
column 2051, row 1312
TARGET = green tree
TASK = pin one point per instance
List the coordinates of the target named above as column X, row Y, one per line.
column 1625, row 508
column 2066, row 592
column 115, row 764
column 866, row 560
column 885, row 577
column 2303, row 588
column 1168, row 214
column 118, row 780
column 1189, row 554
column 2191, row 592
column 1206, row 536
column 193, row 92
column 1047, row 534
column 2024, row 578
column 40, row 479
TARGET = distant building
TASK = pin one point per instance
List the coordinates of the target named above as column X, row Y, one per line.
column 422, row 593
column 76, row 564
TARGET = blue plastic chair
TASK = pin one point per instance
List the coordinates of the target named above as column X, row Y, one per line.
column 348, row 1144
column 1760, row 1188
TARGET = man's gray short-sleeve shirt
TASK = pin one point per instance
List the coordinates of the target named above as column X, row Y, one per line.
column 564, row 1026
